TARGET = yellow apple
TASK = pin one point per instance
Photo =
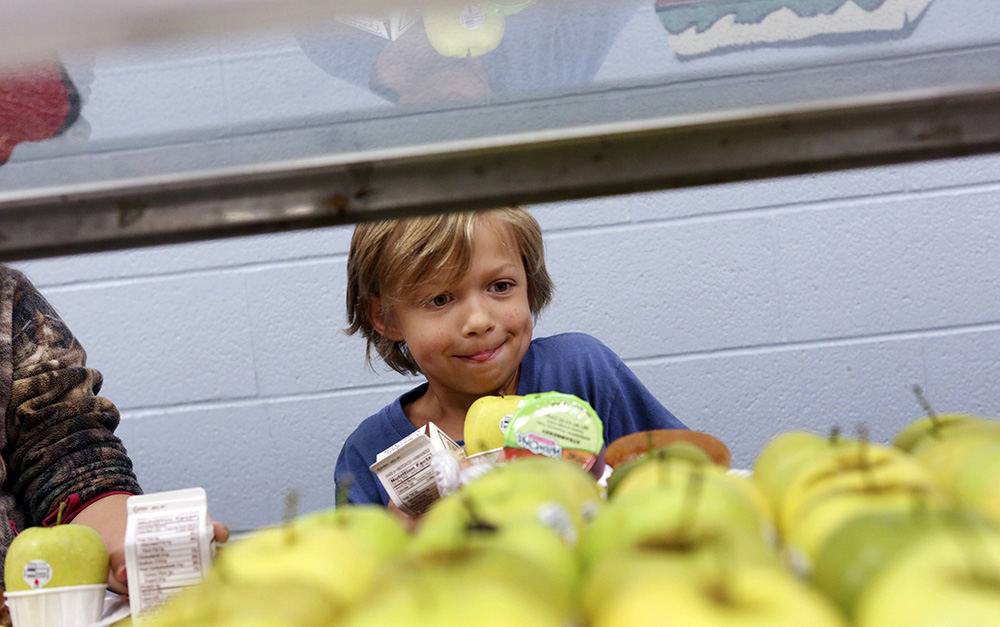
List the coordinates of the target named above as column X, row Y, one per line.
column 372, row 525
column 745, row 597
column 325, row 556
column 853, row 466
column 275, row 603
column 779, row 462
column 486, row 420
column 482, row 586
column 702, row 558
column 459, row 29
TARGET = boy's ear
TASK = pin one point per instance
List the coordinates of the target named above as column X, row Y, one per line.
column 381, row 320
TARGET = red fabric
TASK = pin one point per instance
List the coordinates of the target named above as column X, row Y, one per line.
column 35, row 104
column 74, row 507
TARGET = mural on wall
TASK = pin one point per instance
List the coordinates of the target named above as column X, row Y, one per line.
column 36, row 103
column 479, row 50
column 702, row 27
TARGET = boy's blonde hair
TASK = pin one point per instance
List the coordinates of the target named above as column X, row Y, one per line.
column 390, row 259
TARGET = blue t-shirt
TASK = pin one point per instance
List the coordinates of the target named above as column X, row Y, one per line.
column 573, row 363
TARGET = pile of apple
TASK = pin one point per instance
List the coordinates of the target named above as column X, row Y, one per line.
column 825, row 531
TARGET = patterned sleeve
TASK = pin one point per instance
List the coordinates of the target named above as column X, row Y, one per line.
column 60, row 442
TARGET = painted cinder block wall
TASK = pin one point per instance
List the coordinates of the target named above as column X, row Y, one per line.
column 749, row 309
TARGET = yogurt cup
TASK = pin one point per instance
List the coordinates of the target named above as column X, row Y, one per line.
column 66, row 606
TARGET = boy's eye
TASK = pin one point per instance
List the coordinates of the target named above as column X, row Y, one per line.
column 440, row 300
column 502, row 286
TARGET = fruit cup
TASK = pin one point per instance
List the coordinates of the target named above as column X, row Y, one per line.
column 66, row 606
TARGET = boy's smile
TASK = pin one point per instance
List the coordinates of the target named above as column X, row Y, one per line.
column 468, row 335
column 482, row 355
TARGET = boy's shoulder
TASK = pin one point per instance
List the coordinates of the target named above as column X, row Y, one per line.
column 572, row 342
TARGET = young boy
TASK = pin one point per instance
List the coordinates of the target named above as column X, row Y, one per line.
column 453, row 297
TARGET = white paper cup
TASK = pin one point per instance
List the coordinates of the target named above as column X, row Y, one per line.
column 67, row 606
column 492, row 457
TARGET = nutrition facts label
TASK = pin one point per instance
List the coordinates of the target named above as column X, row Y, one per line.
column 167, row 545
column 168, row 549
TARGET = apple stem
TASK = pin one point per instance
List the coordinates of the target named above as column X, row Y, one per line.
column 343, row 490
column 692, row 493
column 59, row 513
column 476, row 523
column 863, row 443
column 291, row 511
column 726, row 557
column 926, row 406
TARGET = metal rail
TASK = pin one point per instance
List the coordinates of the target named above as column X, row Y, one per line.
column 595, row 160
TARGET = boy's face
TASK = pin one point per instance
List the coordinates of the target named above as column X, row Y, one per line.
column 469, row 335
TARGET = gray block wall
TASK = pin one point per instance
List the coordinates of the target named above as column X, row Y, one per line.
column 749, row 309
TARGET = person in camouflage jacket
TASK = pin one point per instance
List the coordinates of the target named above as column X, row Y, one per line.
column 57, row 444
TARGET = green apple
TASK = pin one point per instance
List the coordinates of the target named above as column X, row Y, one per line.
column 675, row 451
column 854, row 555
column 452, row 526
column 781, row 459
column 322, row 555
column 462, row 29
column 373, row 526
column 53, row 557
column 747, row 596
column 854, row 466
column 486, row 420
column 665, row 468
column 930, row 426
column 555, row 491
column 977, row 482
column 945, row 456
column 820, row 519
column 949, row 576
column 674, row 517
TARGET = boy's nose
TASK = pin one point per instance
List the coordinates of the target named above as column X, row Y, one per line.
column 478, row 320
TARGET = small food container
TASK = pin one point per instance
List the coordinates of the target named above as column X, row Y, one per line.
column 66, row 606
